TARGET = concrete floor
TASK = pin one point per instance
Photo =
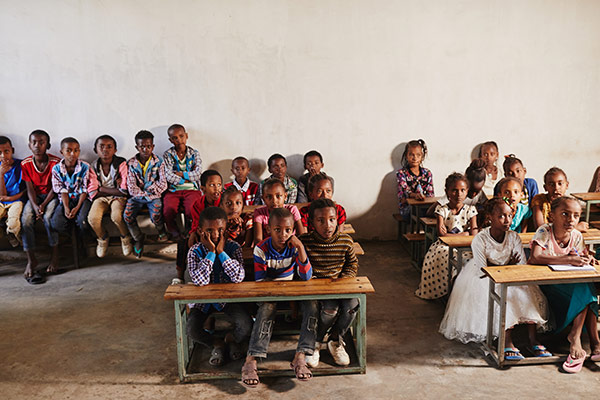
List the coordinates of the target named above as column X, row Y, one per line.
column 104, row 331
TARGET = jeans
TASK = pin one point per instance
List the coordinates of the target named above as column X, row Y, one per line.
column 133, row 207
column 28, row 223
column 337, row 315
column 263, row 328
column 62, row 224
column 236, row 313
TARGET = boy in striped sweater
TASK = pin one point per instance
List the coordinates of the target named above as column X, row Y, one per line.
column 279, row 258
column 332, row 256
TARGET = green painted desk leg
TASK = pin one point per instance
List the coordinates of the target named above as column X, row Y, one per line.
column 490, row 319
column 180, row 333
column 361, row 333
column 502, row 325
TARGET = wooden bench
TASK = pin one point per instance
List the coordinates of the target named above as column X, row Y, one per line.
column 252, row 292
column 415, row 240
column 590, row 198
column 515, row 275
column 462, row 244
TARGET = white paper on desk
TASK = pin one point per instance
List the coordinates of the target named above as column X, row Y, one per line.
column 572, row 268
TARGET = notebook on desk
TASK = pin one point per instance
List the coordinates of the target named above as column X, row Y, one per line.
column 572, row 268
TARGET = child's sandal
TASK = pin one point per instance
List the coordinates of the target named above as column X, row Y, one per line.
column 250, row 374
column 301, row 370
column 540, row 351
column 217, row 357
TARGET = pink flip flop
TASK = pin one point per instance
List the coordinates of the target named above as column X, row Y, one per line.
column 595, row 357
column 573, row 365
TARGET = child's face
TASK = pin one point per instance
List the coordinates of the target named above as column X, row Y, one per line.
column 313, row 164
column 489, row 154
column 38, row 144
column 322, row 190
column 501, row 217
column 274, row 196
column 105, row 148
column 6, row 153
column 475, row 188
column 325, row 221
column 145, row 147
column 278, row 168
column 240, row 170
column 214, row 229
column 212, row 189
column 566, row 216
column 414, row 156
column 457, row 192
column 556, row 185
column 70, row 152
column 233, row 204
column 281, row 229
column 513, row 191
column 516, row 170
column 178, row 137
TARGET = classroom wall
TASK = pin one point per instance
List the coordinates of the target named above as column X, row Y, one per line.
column 354, row 79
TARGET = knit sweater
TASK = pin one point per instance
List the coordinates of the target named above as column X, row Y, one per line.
column 333, row 257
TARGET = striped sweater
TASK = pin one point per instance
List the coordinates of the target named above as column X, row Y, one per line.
column 331, row 258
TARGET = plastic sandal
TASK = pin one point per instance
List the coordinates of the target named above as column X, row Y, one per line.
column 176, row 281
column 573, row 365
column 35, row 279
column 595, row 357
column 516, row 357
column 250, row 373
column 540, row 351
column 300, row 368
column 216, row 357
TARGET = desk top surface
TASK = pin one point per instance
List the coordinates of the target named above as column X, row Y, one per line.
column 465, row 241
column 587, row 196
column 533, row 273
column 427, row 200
column 190, row 291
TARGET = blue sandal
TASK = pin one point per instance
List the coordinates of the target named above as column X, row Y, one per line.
column 516, row 354
column 540, row 351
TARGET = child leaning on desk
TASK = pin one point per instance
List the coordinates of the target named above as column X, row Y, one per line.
column 453, row 218
column 576, row 303
column 466, row 314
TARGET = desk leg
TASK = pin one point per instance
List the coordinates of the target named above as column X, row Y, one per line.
column 588, row 207
column 361, row 333
column 502, row 325
column 450, row 265
column 181, row 336
column 490, row 318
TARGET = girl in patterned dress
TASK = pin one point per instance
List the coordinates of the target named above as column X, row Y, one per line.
column 414, row 181
column 454, row 218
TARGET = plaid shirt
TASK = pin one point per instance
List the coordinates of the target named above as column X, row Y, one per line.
column 150, row 186
column 291, row 187
column 74, row 184
column 193, row 170
column 206, row 267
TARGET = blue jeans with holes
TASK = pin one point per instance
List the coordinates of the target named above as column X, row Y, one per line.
column 133, row 207
column 28, row 223
column 263, row 328
column 336, row 315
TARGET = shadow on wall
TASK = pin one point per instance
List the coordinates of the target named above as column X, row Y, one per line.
column 386, row 203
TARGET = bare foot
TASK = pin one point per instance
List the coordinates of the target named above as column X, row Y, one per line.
column 595, row 348
column 31, row 266
column 576, row 349
column 249, row 372
column 53, row 266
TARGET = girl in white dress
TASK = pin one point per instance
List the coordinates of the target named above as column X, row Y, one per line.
column 466, row 314
column 453, row 218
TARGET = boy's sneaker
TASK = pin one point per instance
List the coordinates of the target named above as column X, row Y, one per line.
column 162, row 237
column 13, row 239
column 102, row 247
column 313, row 360
column 138, row 247
column 126, row 245
column 338, row 352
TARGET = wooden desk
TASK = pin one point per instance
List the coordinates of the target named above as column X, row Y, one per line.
column 415, row 208
column 252, row 292
column 349, row 229
column 462, row 244
column 589, row 198
column 430, row 229
column 516, row 275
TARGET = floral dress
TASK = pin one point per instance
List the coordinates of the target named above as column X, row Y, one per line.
column 409, row 183
column 434, row 274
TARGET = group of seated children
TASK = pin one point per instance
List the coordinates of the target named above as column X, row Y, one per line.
column 495, row 223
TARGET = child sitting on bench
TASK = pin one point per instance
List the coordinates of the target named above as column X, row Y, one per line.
column 280, row 257
column 216, row 259
column 320, row 186
column 239, row 223
column 332, row 255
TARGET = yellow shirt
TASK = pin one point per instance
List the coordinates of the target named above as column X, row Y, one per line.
column 145, row 166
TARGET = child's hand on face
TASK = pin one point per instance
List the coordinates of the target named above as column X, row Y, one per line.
column 6, row 166
column 193, row 239
column 221, row 244
column 294, row 242
column 207, row 242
